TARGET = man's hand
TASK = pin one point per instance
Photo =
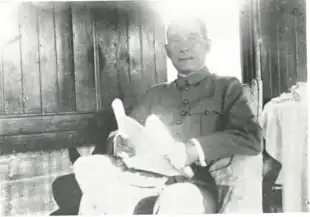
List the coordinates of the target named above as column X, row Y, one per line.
column 182, row 155
column 122, row 147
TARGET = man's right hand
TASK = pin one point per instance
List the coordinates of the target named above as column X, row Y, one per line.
column 122, row 147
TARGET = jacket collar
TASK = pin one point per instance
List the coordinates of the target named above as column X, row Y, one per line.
column 193, row 78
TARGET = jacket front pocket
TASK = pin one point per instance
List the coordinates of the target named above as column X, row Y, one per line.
column 209, row 115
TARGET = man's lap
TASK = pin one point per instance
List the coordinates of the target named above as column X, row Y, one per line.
column 182, row 192
column 126, row 191
column 226, row 194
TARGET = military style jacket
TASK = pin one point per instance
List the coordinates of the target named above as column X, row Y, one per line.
column 207, row 107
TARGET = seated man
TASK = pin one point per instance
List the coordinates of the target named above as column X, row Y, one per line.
column 208, row 115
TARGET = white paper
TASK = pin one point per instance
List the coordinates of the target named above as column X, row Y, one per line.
column 151, row 143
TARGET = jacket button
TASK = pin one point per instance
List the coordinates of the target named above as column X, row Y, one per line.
column 177, row 135
column 178, row 122
column 186, row 88
column 185, row 101
column 186, row 82
column 183, row 113
column 206, row 112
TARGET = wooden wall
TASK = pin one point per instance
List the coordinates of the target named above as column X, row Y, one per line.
column 283, row 30
column 70, row 60
column 281, row 44
column 59, row 72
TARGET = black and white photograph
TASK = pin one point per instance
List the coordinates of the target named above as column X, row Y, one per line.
column 154, row 107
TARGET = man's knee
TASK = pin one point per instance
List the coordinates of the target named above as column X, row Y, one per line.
column 184, row 198
column 95, row 170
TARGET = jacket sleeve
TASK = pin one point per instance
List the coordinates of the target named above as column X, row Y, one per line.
column 242, row 134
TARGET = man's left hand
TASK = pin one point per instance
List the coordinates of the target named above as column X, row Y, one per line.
column 183, row 155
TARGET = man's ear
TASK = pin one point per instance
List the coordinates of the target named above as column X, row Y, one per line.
column 208, row 45
column 167, row 50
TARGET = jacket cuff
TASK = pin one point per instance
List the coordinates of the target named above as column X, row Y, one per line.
column 201, row 156
column 112, row 134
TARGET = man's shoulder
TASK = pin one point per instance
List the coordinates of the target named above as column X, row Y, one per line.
column 227, row 87
column 227, row 80
column 227, row 83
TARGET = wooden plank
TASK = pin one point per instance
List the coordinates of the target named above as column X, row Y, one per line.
column 300, row 23
column 134, row 43
column 246, row 55
column 122, row 56
column 270, row 72
column 274, row 50
column 36, row 142
column 148, row 54
column 30, row 58
column 82, row 21
column 13, row 96
column 65, row 61
column 288, row 38
column 94, row 131
column 279, row 63
column 250, row 40
column 49, row 132
column 283, row 48
column 1, row 86
column 160, row 53
column 107, row 39
column 265, row 48
column 29, row 165
column 46, row 123
column 48, row 68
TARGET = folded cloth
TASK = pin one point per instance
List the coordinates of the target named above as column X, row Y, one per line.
column 300, row 91
column 283, row 98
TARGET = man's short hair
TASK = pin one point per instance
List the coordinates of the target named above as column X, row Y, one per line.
column 198, row 20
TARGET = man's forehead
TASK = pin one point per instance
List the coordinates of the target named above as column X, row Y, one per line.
column 186, row 26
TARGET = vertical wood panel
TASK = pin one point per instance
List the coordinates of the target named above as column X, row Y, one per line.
column 30, row 58
column 244, row 33
column 284, row 40
column 58, row 65
column 135, row 53
column 65, row 61
column 287, row 35
column 83, row 57
column 159, row 46
column 250, row 39
column 97, row 68
column 48, row 67
column 300, row 15
column 12, row 68
column 1, row 86
column 147, row 38
column 269, row 71
column 282, row 52
column 123, row 56
column 276, row 62
column 107, row 40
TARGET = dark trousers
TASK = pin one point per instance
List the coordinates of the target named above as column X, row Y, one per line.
column 67, row 194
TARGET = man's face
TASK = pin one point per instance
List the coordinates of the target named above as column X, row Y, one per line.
column 187, row 45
